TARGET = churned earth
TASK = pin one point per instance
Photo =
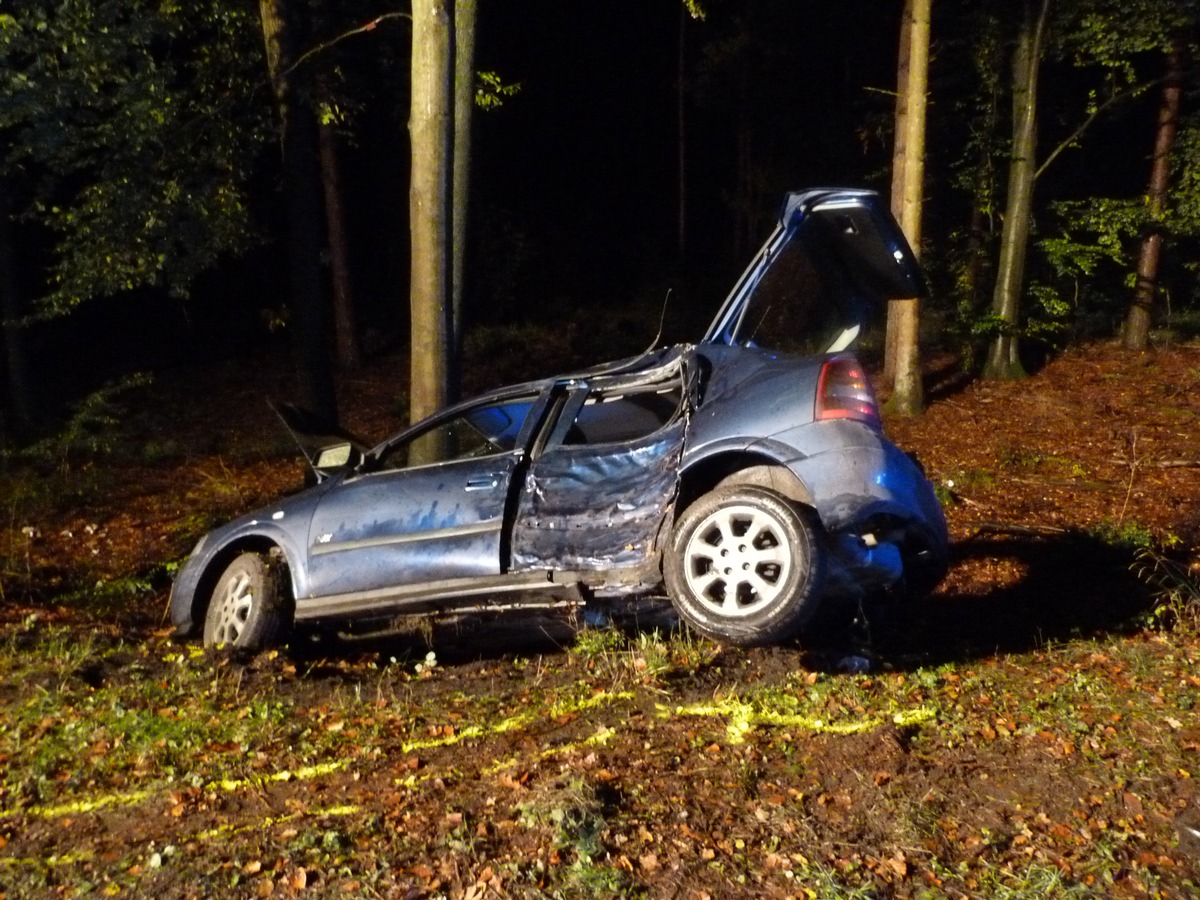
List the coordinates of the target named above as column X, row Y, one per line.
column 1030, row 730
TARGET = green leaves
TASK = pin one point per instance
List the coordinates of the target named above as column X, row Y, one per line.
column 491, row 92
column 137, row 125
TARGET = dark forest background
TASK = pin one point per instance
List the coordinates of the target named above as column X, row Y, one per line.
column 621, row 151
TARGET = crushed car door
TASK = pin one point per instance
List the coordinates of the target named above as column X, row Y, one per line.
column 430, row 506
column 596, row 495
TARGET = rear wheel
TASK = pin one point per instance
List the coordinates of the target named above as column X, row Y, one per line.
column 247, row 609
column 744, row 566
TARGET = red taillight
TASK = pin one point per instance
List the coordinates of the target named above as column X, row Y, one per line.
column 844, row 392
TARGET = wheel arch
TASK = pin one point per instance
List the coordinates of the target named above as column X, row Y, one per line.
column 250, row 543
column 739, row 468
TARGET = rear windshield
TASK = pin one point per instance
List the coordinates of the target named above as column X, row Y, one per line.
column 800, row 305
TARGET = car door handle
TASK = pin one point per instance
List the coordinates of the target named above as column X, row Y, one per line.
column 483, row 482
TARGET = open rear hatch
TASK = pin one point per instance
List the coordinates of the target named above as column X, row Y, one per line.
column 823, row 277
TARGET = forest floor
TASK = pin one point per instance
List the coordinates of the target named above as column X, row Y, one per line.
column 1031, row 730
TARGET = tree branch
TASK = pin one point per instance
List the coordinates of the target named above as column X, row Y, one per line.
column 337, row 39
column 1087, row 123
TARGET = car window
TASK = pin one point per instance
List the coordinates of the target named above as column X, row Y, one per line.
column 799, row 305
column 605, row 418
column 481, row 431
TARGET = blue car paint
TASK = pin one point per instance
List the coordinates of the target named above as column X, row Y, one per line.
column 370, row 542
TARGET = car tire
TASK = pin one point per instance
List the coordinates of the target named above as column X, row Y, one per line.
column 745, row 566
column 247, row 609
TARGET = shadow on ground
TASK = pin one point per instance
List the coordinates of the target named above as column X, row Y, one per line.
column 1046, row 589
column 1050, row 589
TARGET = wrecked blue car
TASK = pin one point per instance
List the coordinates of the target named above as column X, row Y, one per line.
column 745, row 476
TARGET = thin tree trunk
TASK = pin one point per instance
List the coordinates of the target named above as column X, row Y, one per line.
column 899, row 147
column 1004, row 359
column 432, row 135
column 20, row 393
column 301, row 184
column 1137, row 323
column 975, row 269
column 908, row 396
column 465, row 18
column 900, row 123
column 349, row 355
column 681, row 135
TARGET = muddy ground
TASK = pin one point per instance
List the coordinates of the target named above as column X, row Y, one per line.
column 1030, row 730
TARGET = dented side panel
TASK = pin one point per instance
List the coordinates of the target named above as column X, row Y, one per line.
column 595, row 508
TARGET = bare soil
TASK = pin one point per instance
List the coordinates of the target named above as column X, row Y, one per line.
column 1029, row 730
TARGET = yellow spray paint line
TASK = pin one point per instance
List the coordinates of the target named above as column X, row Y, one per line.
column 230, row 785
column 516, row 723
column 48, row 862
column 231, row 829
column 744, row 718
column 603, row 735
column 67, row 859
column 129, row 798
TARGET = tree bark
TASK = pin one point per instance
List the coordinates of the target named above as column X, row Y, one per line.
column 431, row 131
column 349, row 354
column 301, row 185
column 681, row 236
column 900, row 122
column 908, row 395
column 1137, row 323
column 465, row 18
column 899, row 146
column 1003, row 358
column 20, row 393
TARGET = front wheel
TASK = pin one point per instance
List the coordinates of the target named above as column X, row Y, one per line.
column 247, row 606
column 744, row 566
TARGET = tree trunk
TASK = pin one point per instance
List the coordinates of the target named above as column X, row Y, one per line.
column 465, row 17
column 349, row 355
column 1003, row 359
column 908, row 395
column 975, row 268
column 301, row 185
column 681, row 136
column 899, row 146
column 431, row 130
column 20, row 394
column 900, row 122
column 1137, row 323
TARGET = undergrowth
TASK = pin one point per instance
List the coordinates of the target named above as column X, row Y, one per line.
column 1176, row 587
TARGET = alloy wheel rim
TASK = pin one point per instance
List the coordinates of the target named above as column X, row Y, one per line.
column 737, row 561
column 234, row 610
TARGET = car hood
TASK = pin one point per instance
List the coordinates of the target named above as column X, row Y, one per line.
column 823, row 277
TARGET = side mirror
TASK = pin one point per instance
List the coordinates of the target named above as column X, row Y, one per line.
column 337, row 456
